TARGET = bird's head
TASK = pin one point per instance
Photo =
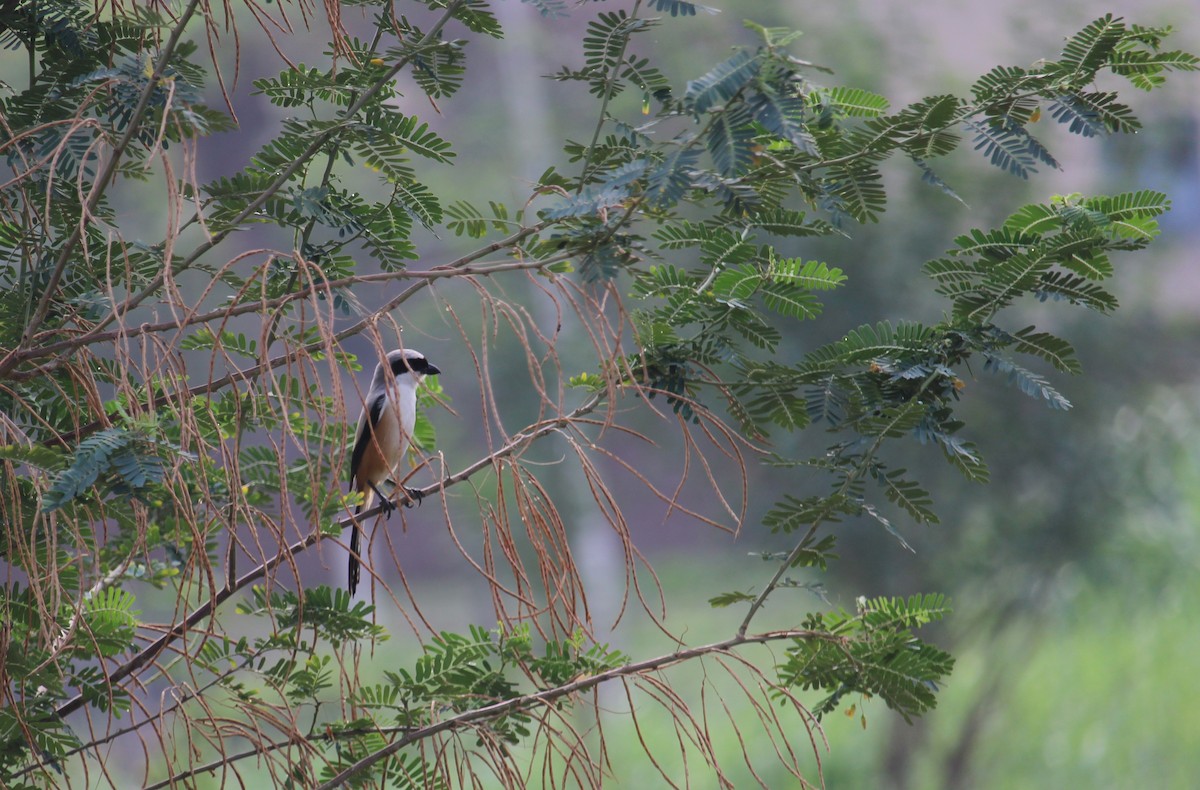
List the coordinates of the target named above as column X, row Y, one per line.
column 407, row 362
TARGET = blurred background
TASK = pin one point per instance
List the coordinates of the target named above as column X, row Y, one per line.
column 1073, row 574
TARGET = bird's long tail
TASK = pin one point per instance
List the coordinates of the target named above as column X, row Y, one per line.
column 355, row 569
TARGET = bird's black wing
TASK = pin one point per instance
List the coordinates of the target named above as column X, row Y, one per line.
column 366, row 429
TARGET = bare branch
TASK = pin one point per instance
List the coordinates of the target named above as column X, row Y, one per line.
column 266, row 305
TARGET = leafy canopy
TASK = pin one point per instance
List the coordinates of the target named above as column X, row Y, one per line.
column 171, row 417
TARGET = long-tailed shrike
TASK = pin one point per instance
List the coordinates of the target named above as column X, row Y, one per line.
column 384, row 431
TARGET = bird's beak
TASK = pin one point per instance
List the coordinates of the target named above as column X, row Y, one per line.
column 432, row 370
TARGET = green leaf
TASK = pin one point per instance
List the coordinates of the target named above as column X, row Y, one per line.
column 1144, row 69
column 782, row 116
column 111, row 623
column 730, row 598
column 876, row 655
column 740, row 283
column 328, row 612
column 663, row 279
column 37, row 456
column 466, row 220
column 1031, row 220
column 1077, row 290
column 605, row 39
column 386, row 136
column 934, row 112
column 994, row 245
column 866, row 343
column 1003, row 283
column 859, row 187
column 420, row 203
column 780, row 405
column 961, row 454
column 91, row 460
column 474, row 14
column 893, row 422
column 784, row 222
column 791, row 301
column 956, row 278
column 437, row 65
column 667, row 183
column 792, row 513
column 296, row 87
column 811, row 275
column 1091, row 264
column 1088, row 49
column 1094, row 113
column 679, row 7
column 686, row 234
column 730, row 143
column 857, row 102
column 1027, row 381
column 723, row 248
column 917, row 610
column 1055, row 350
column 1002, row 81
column 725, row 81
column 614, row 190
column 1142, row 62
column 1007, row 146
column 1128, row 205
column 750, row 326
column 908, row 495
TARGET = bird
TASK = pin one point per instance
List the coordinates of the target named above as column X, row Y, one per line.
column 384, row 431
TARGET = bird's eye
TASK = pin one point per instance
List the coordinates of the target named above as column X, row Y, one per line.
column 413, row 365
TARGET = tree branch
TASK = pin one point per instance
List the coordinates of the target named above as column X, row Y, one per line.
column 445, row 270
column 327, row 735
column 582, row 684
column 265, row 305
column 206, row 609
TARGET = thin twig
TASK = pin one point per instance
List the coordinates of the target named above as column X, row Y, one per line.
column 265, row 305
column 325, row 735
column 582, row 684
column 445, row 270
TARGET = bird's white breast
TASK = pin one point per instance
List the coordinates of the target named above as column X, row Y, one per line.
column 395, row 435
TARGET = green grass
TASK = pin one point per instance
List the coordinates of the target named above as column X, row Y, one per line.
column 1103, row 696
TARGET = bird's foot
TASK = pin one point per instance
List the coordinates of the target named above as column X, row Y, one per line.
column 415, row 496
column 386, row 506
